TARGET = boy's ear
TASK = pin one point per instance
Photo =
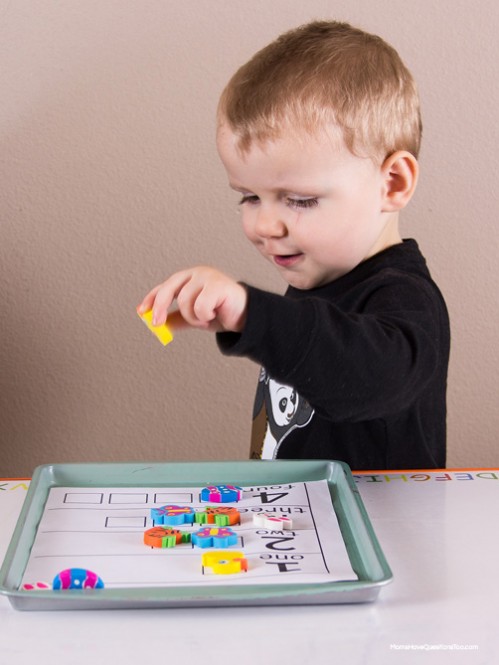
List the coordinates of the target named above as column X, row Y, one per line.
column 400, row 174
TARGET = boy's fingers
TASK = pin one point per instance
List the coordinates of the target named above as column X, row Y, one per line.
column 205, row 306
column 161, row 297
column 148, row 301
column 202, row 294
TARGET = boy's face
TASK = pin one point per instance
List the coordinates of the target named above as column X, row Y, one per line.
column 310, row 207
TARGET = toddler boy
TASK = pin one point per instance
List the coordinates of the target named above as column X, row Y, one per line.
column 319, row 133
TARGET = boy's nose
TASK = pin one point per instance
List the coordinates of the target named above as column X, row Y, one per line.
column 269, row 224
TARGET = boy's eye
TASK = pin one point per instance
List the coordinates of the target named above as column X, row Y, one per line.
column 310, row 202
column 249, row 198
column 303, row 203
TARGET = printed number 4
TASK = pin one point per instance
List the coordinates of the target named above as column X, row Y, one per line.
column 265, row 496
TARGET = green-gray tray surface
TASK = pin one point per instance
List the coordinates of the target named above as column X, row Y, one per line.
column 365, row 554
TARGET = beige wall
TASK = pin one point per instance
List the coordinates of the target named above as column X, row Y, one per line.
column 110, row 181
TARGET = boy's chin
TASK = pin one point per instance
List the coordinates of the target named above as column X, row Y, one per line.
column 305, row 282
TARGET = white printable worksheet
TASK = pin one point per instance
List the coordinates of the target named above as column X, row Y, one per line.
column 102, row 530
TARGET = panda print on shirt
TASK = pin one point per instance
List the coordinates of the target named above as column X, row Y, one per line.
column 281, row 410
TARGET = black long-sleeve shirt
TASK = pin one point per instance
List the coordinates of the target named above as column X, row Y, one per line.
column 355, row 370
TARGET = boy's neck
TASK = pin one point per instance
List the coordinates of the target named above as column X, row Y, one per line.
column 389, row 236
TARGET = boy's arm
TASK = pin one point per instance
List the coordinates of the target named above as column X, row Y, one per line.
column 349, row 367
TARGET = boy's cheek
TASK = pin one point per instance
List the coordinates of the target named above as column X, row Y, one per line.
column 249, row 229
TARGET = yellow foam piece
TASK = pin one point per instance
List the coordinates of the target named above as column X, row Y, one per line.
column 163, row 332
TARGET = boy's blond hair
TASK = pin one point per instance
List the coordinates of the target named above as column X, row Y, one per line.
column 326, row 75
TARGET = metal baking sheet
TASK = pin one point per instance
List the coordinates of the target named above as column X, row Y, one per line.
column 364, row 551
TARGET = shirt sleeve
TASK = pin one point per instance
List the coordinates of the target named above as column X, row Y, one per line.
column 348, row 366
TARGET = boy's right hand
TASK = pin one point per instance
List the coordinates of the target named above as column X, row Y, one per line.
column 206, row 298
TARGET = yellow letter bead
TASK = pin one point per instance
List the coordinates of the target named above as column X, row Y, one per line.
column 163, row 332
column 225, row 563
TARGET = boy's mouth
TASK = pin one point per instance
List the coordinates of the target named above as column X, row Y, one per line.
column 286, row 260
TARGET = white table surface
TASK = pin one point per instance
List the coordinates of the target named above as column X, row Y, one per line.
column 439, row 532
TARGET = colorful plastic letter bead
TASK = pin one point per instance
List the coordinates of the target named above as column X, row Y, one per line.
column 173, row 515
column 221, row 493
column 77, row 578
column 225, row 563
column 163, row 332
column 158, row 536
column 223, row 516
column 214, row 537
column 269, row 521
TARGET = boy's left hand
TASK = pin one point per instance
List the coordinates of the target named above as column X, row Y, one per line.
column 206, row 298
